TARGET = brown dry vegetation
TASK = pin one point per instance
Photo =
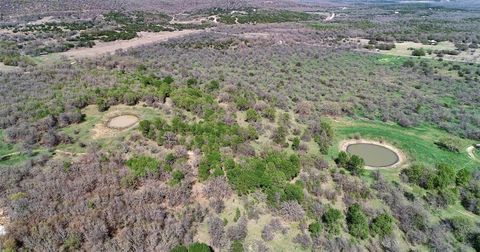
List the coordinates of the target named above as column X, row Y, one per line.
column 233, row 146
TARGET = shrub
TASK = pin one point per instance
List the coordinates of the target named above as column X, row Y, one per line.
column 213, row 85
column 315, row 228
column 449, row 144
column 144, row 127
column 102, row 105
column 191, row 99
column 237, row 246
column 427, row 178
column 269, row 113
column 177, row 177
column 414, row 174
column 463, row 177
column 342, row 159
column 409, row 63
column 279, row 135
column 72, row 243
column 461, row 227
column 382, row 225
column 199, row 247
column 475, row 241
column 192, row 82
column 142, row 165
column 294, row 192
column 168, row 80
column 210, row 164
column 269, row 173
column 332, row 219
column 242, row 103
column 179, row 248
column 418, row 52
column 295, row 143
column 237, row 215
column 252, row 115
column 385, row 46
column 355, row 165
column 323, row 136
column 357, row 222
column 446, row 176
column 447, row 197
column 292, row 211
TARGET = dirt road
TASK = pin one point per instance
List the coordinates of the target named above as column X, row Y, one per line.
column 144, row 38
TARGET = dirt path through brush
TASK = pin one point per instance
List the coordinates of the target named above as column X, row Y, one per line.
column 144, row 38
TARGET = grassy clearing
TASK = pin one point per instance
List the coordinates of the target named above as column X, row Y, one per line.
column 5, row 148
column 9, row 153
column 90, row 130
column 417, row 143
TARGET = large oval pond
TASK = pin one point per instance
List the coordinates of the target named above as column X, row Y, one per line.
column 374, row 155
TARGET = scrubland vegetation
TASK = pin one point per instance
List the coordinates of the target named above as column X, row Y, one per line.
column 237, row 144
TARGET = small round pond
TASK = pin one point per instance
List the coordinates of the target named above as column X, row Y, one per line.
column 123, row 121
column 374, row 155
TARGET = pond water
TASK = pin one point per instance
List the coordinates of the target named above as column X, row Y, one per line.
column 374, row 155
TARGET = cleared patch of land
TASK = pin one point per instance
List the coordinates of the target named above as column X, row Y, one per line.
column 122, row 121
column 95, row 127
column 144, row 38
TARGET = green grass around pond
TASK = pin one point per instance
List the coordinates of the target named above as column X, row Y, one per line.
column 83, row 132
column 417, row 143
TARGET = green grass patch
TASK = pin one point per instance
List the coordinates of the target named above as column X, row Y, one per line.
column 417, row 143
column 83, row 132
column 5, row 148
column 9, row 153
column 391, row 60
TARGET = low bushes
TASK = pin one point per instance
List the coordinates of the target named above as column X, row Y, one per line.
column 352, row 163
column 382, row 225
column 141, row 166
column 357, row 222
column 194, row 247
column 270, row 174
column 333, row 220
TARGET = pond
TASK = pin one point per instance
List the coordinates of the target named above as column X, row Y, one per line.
column 123, row 121
column 374, row 155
